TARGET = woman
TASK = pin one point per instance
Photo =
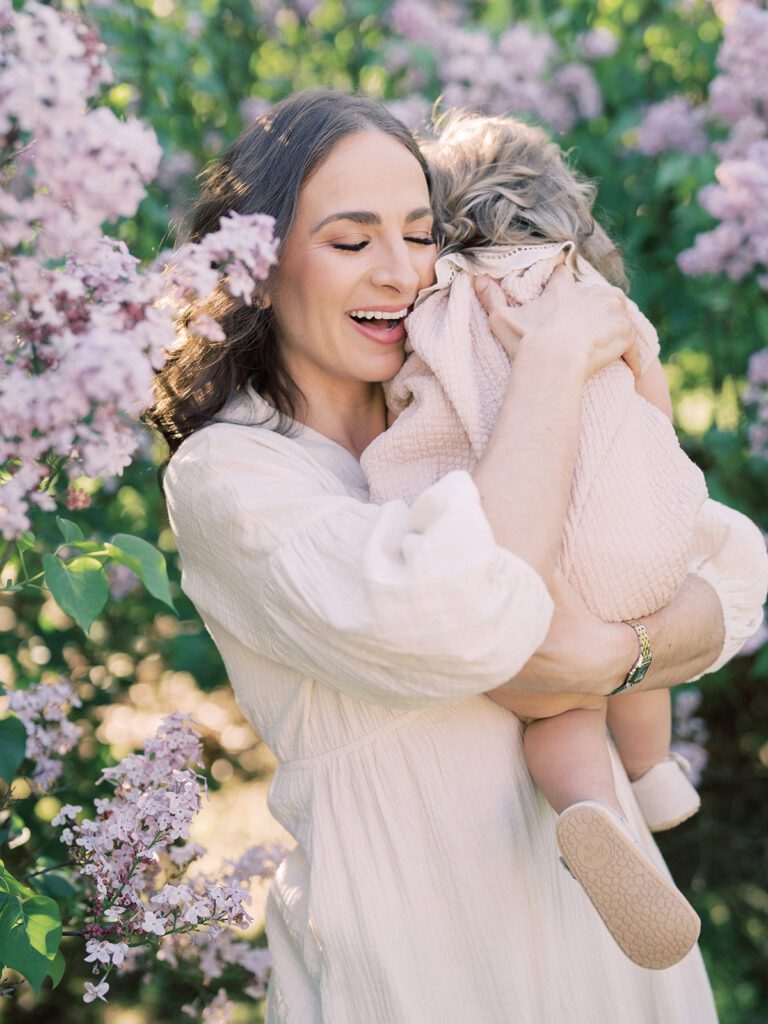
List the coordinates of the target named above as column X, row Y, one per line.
column 360, row 640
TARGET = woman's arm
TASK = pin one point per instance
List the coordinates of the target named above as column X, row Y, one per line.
column 584, row 655
column 558, row 341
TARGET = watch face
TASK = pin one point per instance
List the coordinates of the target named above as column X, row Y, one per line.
column 638, row 673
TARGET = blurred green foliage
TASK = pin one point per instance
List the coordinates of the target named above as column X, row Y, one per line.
column 188, row 69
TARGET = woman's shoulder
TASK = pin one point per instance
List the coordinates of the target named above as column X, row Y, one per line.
column 231, row 454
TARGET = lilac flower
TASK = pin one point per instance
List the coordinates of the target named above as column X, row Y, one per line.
column 672, row 124
column 597, row 44
column 95, row 991
column 524, row 70
column 50, row 735
column 738, row 99
column 83, row 338
column 130, row 861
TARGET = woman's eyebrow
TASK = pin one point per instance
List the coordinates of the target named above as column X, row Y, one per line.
column 368, row 217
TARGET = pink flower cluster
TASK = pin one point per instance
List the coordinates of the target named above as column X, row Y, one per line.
column 43, row 712
column 87, row 325
column 236, row 256
column 673, row 124
column 133, row 856
column 738, row 99
column 523, row 70
column 216, row 949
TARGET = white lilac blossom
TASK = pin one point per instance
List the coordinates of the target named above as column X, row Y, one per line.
column 89, row 324
column 216, row 948
column 218, row 1011
column 523, row 70
column 43, row 711
column 133, row 856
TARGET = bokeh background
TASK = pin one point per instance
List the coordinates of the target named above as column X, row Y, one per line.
column 665, row 104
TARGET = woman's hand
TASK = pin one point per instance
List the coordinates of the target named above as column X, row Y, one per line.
column 581, row 655
column 584, row 655
column 589, row 324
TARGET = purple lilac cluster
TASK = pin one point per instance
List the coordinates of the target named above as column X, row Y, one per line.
column 86, row 326
column 738, row 99
column 673, row 124
column 522, row 70
column 133, row 857
column 43, row 712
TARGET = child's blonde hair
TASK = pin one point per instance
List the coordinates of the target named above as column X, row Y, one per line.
column 499, row 181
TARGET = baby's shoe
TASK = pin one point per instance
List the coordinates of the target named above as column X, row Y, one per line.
column 665, row 795
column 648, row 917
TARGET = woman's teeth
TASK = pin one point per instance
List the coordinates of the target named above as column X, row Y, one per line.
column 377, row 315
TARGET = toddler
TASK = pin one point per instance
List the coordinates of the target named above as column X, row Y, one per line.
column 507, row 206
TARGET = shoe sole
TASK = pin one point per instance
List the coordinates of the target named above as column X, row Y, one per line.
column 674, row 822
column 649, row 918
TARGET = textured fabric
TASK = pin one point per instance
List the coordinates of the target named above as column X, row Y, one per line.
column 635, row 497
column 425, row 886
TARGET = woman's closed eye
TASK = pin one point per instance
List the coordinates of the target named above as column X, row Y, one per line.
column 357, row 246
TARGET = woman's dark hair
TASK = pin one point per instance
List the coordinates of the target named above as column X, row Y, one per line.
column 262, row 172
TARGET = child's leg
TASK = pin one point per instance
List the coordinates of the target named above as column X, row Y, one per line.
column 641, row 725
column 567, row 755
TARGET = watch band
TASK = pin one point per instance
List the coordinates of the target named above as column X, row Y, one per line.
column 643, row 663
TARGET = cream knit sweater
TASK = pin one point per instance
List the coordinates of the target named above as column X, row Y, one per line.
column 635, row 495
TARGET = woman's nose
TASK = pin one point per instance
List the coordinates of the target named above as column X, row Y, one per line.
column 396, row 270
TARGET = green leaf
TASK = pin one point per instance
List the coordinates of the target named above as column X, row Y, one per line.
column 56, row 886
column 26, row 541
column 79, row 587
column 13, row 742
column 70, row 531
column 56, row 969
column 30, row 931
column 146, row 561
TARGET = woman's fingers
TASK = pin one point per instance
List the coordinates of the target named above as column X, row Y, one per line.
column 501, row 319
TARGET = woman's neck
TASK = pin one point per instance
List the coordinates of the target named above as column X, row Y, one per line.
column 351, row 413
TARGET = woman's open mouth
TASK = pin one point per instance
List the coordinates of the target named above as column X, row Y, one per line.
column 381, row 325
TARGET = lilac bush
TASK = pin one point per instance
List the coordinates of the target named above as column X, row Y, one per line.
column 85, row 325
column 738, row 103
column 130, row 863
column 88, row 324
column 522, row 69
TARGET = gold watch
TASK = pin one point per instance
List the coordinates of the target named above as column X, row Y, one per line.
column 643, row 663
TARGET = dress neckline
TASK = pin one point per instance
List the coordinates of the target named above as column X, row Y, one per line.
column 249, row 408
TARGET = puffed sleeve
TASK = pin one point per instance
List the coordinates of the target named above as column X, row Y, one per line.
column 732, row 559
column 398, row 605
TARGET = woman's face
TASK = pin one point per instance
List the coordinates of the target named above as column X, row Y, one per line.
column 361, row 244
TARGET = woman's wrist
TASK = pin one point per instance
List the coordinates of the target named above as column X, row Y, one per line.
column 617, row 652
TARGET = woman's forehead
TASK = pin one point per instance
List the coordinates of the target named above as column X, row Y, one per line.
column 365, row 171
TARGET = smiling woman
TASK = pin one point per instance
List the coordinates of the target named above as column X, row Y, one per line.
column 361, row 639
column 338, row 256
column 347, row 276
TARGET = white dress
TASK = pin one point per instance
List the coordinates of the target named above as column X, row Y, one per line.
column 425, row 886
